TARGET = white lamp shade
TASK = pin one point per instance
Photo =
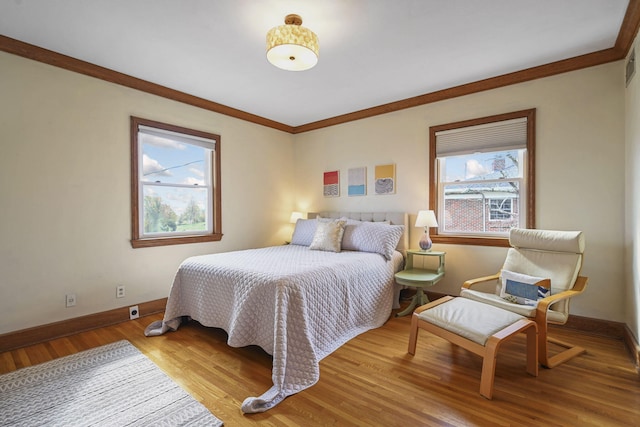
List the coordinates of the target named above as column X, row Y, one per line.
column 426, row 219
column 295, row 216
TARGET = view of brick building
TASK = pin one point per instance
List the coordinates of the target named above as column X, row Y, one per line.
column 484, row 204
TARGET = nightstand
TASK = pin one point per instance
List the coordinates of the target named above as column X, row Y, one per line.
column 419, row 278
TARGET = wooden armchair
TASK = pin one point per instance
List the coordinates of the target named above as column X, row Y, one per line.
column 536, row 255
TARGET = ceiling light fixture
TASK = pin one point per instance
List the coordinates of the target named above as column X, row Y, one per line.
column 291, row 46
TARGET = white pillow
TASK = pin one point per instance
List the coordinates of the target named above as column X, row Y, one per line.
column 328, row 236
column 373, row 237
column 304, row 231
column 521, row 289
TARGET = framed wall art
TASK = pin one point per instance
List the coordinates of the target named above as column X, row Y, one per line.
column 331, row 184
column 357, row 181
column 385, row 176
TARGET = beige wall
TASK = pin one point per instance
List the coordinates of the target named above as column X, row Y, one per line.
column 64, row 193
column 580, row 171
column 632, row 209
column 64, row 187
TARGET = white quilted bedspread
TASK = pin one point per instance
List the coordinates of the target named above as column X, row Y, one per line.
column 297, row 304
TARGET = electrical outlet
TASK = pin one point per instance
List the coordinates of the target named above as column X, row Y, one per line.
column 120, row 291
column 134, row 313
column 71, row 300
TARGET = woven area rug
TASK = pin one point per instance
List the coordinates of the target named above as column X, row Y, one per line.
column 112, row 385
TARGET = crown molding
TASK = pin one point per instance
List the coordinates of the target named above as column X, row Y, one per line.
column 624, row 42
column 69, row 63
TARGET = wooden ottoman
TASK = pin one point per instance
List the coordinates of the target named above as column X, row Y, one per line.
column 477, row 327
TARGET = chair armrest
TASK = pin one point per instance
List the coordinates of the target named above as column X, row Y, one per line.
column 469, row 283
column 578, row 288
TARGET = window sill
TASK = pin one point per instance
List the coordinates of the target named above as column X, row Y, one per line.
column 166, row 241
column 466, row 240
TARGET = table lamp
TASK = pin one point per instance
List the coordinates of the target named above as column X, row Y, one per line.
column 295, row 216
column 426, row 219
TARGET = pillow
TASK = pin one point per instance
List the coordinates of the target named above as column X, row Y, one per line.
column 521, row 289
column 373, row 237
column 328, row 236
column 303, row 232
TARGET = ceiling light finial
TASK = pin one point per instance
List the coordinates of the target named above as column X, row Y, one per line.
column 291, row 46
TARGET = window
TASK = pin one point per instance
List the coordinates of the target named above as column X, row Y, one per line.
column 482, row 182
column 501, row 209
column 175, row 185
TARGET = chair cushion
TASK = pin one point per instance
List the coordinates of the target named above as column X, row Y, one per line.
column 561, row 268
column 553, row 316
column 552, row 254
column 547, row 240
column 470, row 319
column 556, row 255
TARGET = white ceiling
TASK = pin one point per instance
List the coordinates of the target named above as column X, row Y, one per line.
column 372, row 52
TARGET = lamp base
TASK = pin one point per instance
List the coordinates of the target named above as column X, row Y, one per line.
column 425, row 242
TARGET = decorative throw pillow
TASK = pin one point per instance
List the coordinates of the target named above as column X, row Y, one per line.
column 522, row 289
column 304, row 231
column 328, row 236
column 376, row 237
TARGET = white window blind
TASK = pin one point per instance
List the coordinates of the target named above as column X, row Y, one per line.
column 496, row 136
column 180, row 137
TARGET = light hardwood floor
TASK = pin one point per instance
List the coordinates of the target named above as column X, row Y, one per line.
column 372, row 381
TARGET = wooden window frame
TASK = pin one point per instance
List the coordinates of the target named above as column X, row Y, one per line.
column 137, row 241
column 529, row 219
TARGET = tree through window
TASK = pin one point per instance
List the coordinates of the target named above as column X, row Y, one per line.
column 175, row 184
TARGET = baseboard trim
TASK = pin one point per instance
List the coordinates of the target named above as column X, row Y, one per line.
column 39, row 334
column 599, row 327
column 632, row 345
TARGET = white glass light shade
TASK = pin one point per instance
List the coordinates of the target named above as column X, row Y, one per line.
column 295, row 216
column 426, row 219
column 291, row 46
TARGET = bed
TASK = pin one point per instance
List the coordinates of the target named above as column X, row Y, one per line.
column 298, row 302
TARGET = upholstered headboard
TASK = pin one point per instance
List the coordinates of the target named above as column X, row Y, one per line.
column 395, row 218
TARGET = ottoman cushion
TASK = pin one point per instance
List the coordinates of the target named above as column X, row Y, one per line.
column 472, row 320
